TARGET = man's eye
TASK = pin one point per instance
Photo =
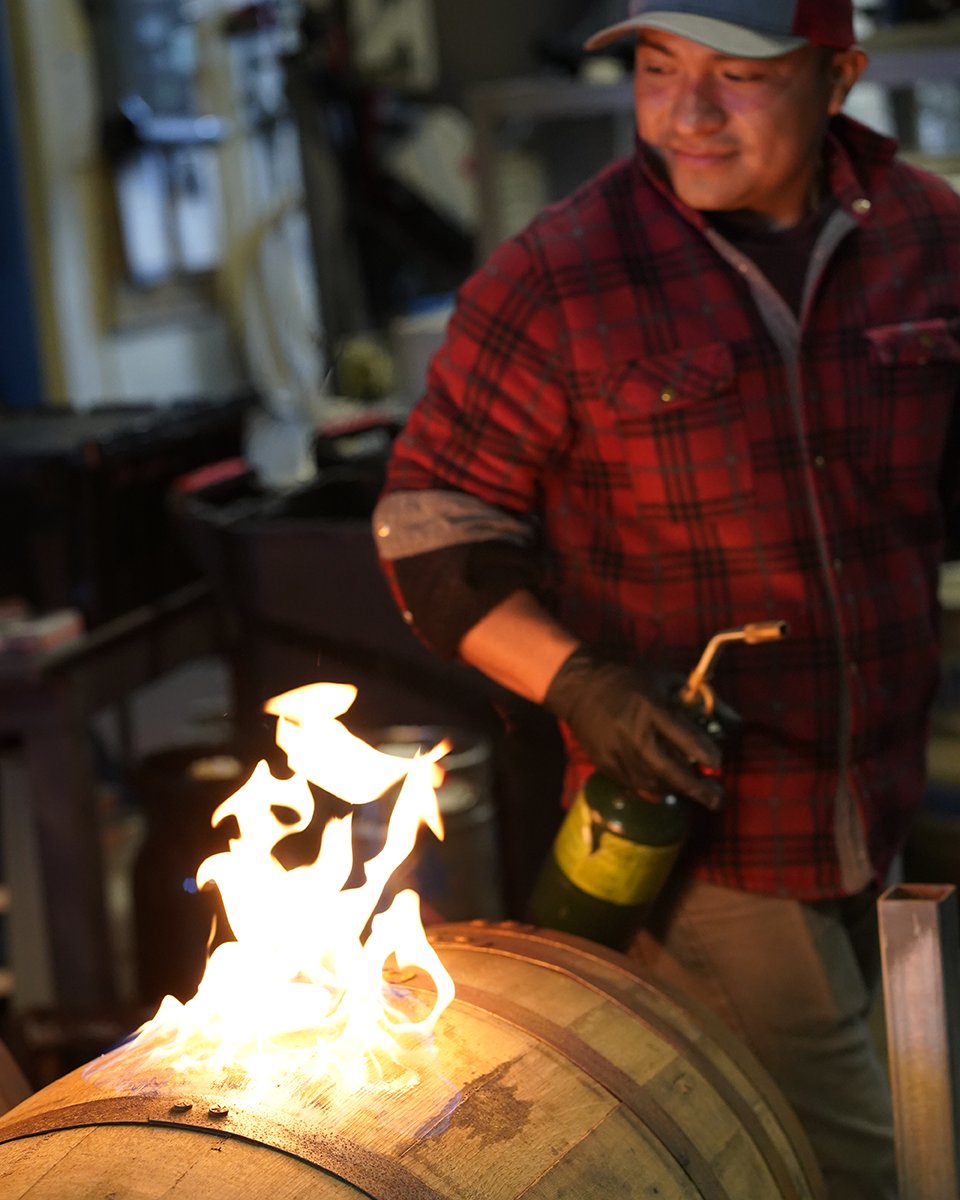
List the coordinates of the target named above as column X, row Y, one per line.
column 743, row 77
column 654, row 68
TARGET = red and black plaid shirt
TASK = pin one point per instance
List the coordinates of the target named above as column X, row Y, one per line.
column 695, row 459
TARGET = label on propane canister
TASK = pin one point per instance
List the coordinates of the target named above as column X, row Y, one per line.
column 607, row 866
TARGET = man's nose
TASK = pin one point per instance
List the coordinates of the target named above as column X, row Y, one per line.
column 697, row 109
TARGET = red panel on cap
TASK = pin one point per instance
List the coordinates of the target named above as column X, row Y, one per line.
column 825, row 22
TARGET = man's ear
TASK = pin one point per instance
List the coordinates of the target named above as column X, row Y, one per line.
column 846, row 68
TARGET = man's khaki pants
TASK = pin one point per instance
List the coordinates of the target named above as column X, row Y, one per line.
column 796, row 982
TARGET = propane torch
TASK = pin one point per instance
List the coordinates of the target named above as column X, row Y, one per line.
column 615, row 850
column 697, row 693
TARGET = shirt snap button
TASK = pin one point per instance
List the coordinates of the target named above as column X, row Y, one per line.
column 819, row 462
column 862, row 205
column 667, row 395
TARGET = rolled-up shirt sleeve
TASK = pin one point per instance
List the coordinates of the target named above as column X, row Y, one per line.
column 450, row 559
column 456, row 526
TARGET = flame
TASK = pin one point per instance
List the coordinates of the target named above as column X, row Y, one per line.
column 300, row 997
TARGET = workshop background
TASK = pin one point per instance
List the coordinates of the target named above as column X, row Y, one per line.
column 229, row 238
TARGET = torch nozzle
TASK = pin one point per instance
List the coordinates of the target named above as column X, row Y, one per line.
column 697, row 689
column 764, row 631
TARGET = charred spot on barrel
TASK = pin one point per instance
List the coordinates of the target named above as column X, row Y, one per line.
column 492, row 1111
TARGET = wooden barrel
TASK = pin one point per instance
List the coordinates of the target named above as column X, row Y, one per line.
column 575, row 1078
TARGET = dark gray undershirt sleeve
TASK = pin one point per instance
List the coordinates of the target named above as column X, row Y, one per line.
column 452, row 558
column 446, row 592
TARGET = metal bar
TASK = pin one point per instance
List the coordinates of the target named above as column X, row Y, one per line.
column 920, row 948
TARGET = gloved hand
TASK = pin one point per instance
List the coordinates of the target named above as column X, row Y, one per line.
column 630, row 732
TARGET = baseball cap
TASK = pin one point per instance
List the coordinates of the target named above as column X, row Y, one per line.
column 741, row 28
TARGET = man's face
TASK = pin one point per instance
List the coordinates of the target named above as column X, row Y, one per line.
column 739, row 133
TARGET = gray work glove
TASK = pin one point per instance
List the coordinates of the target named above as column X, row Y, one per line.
column 631, row 733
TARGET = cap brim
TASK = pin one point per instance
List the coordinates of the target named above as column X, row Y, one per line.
column 721, row 36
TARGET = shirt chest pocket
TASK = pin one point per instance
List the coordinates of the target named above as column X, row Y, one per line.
column 685, row 451
column 914, row 383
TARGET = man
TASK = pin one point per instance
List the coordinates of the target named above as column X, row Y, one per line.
column 715, row 386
